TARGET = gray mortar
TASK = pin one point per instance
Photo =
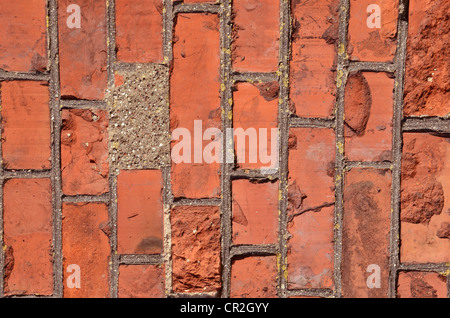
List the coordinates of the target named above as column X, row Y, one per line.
column 139, row 119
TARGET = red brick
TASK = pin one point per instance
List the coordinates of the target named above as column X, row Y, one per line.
column 139, row 31
column 366, row 229
column 84, row 152
column 254, row 108
column 425, row 198
column 427, row 71
column 196, row 248
column 28, row 237
column 255, row 212
column 26, row 125
column 24, row 36
column 369, row 108
column 85, row 244
column 421, row 285
column 140, row 212
column 313, row 62
column 311, row 196
column 141, row 281
column 254, row 277
column 82, row 51
column 256, row 35
column 196, row 36
column 372, row 44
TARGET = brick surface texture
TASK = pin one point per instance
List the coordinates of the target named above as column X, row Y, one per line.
column 224, row 149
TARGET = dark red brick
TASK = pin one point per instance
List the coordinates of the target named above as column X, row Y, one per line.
column 372, row 43
column 85, row 244
column 141, row 281
column 28, row 237
column 257, row 33
column 254, row 277
column 313, row 63
column 255, row 212
column 366, row 229
column 310, row 208
column 139, row 37
column 140, row 212
column 83, row 51
column 26, row 125
column 195, row 85
column 254, row 108
column 23, row 47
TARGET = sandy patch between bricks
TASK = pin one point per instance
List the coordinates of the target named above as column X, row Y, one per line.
column 138, row 108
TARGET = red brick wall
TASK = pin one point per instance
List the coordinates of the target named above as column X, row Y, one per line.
column 356, row 203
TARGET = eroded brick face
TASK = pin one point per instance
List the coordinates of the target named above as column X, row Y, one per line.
column 425, row 207
column 196, row 249
column 368, row 117
column 243, row 149
column 84, row 152
column 426, row 79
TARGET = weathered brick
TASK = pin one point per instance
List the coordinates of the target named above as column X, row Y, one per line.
column 25, row 125
column 24, row 37
column 369, row 108
column 139, row 31
column 421, row 285
column 254, row 277
column 255, row 107
column 84, row 152
column 28, row 237
column 85, row 243
column 370, row 38
column 255, row 212
column 141, row 281
column 310, row 208
column 427, row 71
column 366, row 229
column 425, row 197
column 195, row 85
column 83, row 51
column 313, row 62
column 196, row 248
column 140, row 212
column 256, row 35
